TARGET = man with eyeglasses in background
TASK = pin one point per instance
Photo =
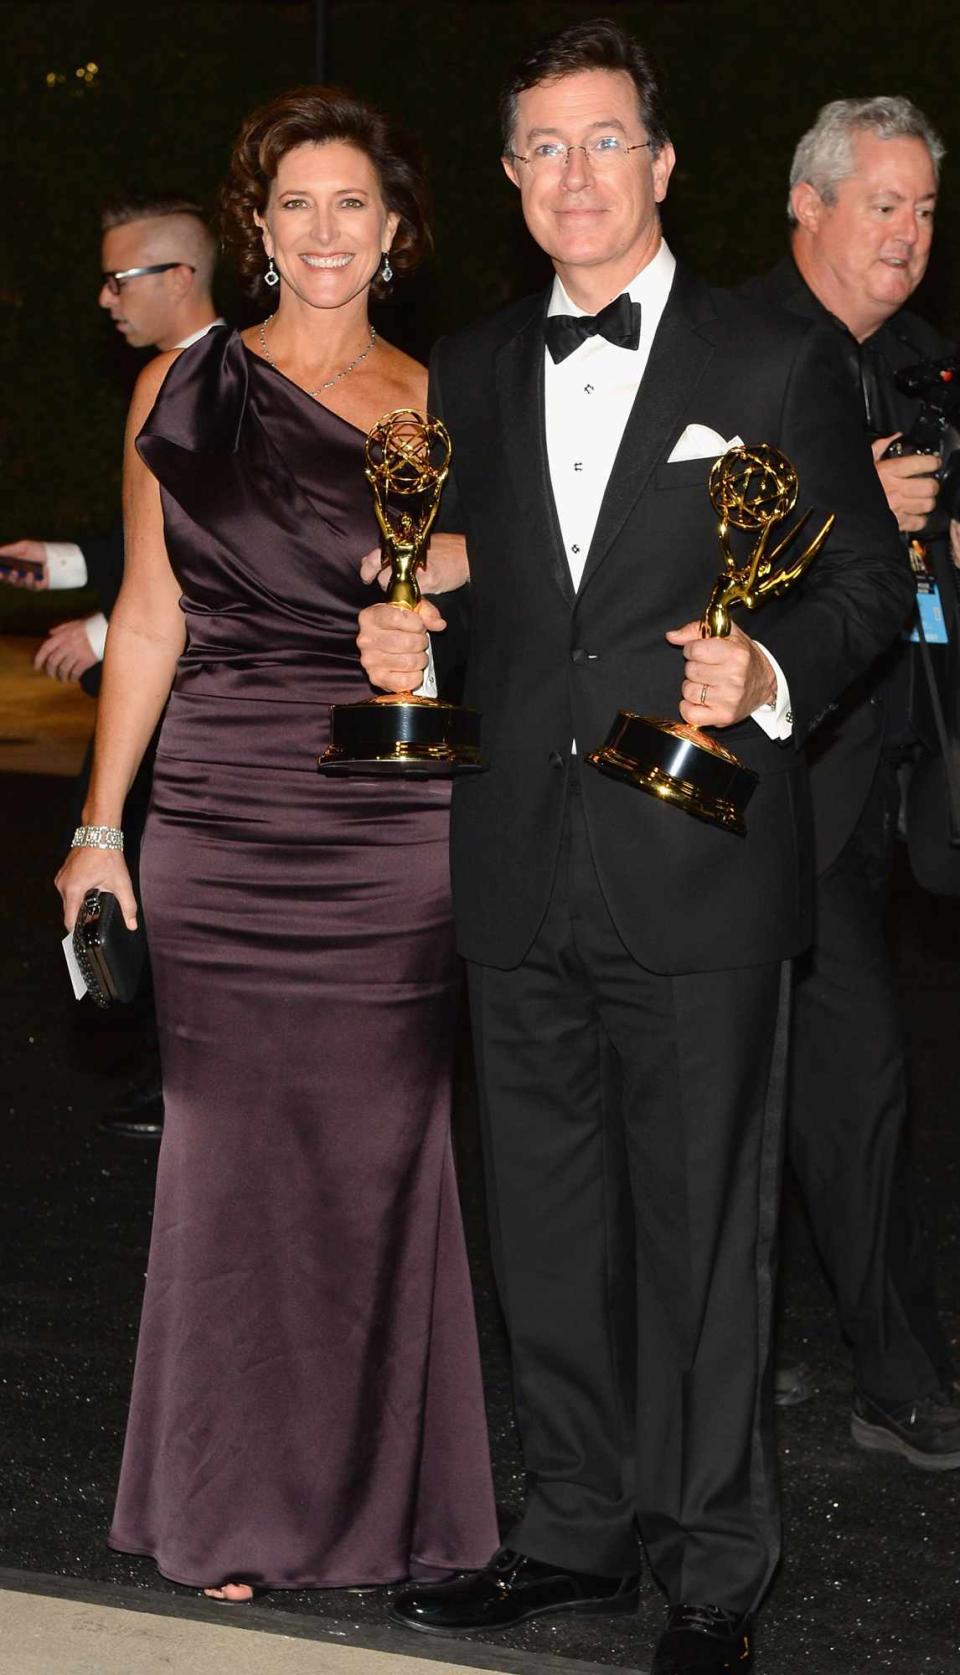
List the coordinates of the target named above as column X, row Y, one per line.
column 629, row 965
column 158, row 257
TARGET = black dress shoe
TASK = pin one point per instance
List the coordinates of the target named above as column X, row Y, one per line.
column 138, row 1115
column 508, row 1590
column 792, row 1383
column 704, row 1640
column 925, row 1432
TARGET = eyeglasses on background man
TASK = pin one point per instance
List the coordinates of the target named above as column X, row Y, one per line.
column 115, row 281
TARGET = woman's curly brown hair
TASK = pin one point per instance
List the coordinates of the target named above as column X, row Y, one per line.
column 312, row 116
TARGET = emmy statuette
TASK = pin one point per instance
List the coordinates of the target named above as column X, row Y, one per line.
column 751, row 489
column 407, row 458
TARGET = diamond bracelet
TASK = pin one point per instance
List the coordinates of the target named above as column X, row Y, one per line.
column 97, row 837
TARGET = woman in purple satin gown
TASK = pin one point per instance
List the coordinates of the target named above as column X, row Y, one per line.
column 306, row 1408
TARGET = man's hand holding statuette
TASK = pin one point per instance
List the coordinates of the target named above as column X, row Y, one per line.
column 725, row 680
column 392, row 642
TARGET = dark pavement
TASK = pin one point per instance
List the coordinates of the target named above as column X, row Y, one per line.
column 871, row 1578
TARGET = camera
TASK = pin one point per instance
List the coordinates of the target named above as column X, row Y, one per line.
column 936, row 428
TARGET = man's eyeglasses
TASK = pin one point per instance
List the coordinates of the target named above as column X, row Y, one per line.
column 603, row 152
column 116, row 281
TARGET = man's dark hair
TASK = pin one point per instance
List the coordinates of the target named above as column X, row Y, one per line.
column 136, row 206
column 599, row 44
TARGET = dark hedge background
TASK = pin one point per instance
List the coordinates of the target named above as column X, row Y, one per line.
column 97, row 94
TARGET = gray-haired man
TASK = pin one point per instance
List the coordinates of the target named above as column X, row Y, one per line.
column 863, row 189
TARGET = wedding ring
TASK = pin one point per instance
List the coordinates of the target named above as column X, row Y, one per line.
column 703, row 694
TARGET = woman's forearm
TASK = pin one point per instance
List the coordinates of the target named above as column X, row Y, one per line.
column 138, row 672
column 147, row 635
column 147, row 629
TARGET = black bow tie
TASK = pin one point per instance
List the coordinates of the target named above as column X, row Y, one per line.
column 619, row 323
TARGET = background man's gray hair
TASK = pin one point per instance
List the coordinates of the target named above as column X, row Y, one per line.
column 824, row 156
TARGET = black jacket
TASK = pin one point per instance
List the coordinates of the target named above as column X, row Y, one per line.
column 546, row 666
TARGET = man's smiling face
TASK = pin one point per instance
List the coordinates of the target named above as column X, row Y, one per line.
column 589, row 215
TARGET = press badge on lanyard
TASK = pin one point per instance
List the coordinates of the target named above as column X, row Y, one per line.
column 929, row 604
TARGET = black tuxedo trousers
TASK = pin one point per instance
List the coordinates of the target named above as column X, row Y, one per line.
column 632, row 1130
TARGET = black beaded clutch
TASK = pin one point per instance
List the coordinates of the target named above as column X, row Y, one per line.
column 109, row 955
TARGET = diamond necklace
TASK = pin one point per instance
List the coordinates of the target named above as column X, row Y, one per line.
column 329, row 382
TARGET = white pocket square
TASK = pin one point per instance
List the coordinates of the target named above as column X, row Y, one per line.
column 700, row 442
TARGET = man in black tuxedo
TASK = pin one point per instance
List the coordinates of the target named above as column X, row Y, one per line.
column 863, row 190
column 628, row 964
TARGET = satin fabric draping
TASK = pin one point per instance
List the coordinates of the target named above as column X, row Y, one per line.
column 307, row 1408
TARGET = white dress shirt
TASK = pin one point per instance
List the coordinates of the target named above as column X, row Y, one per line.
column 66, row 565
column 588, row 398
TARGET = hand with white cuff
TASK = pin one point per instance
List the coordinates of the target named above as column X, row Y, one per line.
column 394, row 645
column 68, row 652
column 725, row 679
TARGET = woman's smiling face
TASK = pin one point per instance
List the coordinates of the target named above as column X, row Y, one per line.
column 326, row 224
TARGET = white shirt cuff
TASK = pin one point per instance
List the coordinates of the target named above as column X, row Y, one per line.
column 428, row 686
column 96, row 631
column 776, row 719
column 66, row 564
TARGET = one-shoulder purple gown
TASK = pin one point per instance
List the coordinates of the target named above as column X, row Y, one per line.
column 306, row 1408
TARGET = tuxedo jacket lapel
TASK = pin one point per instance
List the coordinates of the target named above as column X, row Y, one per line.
column 678, row 359
column 520, row 391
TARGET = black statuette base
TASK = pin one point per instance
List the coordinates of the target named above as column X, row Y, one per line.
column 408, row 738
column 708, row 783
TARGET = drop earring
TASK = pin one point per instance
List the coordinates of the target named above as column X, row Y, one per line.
column 386, row 271
column 271, row 277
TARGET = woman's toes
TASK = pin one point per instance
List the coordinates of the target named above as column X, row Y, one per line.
column 233, row 1593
